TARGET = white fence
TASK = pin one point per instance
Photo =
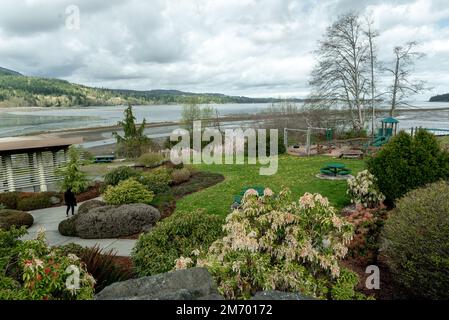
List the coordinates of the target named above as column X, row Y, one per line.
column 30, row 171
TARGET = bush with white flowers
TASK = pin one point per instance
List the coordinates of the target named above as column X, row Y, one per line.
column 363, row 190
column 274, row 243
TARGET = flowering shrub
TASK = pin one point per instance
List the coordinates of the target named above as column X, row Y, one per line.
column 48, row 273
column 368, row 224
column 127, row 192
column 362, row 190
column 273, row 243
column 43, row 272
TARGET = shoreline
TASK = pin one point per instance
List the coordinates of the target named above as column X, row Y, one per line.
column 103, row 133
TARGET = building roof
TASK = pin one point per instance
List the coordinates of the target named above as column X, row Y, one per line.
column 35, row 143
column 390, row 120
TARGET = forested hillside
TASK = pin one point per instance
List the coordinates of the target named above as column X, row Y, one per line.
column 21, row 91
column 440, row 98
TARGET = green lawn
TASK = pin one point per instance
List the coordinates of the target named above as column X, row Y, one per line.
column 296, row 173
column 444, row 140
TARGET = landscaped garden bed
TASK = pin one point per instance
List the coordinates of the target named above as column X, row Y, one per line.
column 135, row 200
column 28, row 201
column 291, row 232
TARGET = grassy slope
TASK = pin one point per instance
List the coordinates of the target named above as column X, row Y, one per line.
column 296, row 173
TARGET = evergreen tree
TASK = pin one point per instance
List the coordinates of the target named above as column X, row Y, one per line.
column 71, row 175
column 134, row 141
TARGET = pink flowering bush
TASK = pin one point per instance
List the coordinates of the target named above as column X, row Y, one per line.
column 363, row 190
column 274, row 243
column 48, row 274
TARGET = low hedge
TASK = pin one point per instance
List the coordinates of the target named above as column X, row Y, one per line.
column 406, row 163
column 35, row 201
column 9, row 199
column 179, row 234
column 9, row 218
column 115, row 176
column 415, row 242
column 157, row 180
column 150, row 159
column 26, row 201
column 179, row 176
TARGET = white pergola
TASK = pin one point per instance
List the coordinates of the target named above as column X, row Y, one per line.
column 28, row 163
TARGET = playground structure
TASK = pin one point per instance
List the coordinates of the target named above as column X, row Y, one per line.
column 389, row 128
column 321, row 141
column 312, row 144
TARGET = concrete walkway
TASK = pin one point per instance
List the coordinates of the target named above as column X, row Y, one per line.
column 50, row 218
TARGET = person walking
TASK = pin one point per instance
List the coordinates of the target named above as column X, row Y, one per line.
column 70, row 201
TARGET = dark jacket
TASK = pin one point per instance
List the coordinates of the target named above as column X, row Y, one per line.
column 69, row 198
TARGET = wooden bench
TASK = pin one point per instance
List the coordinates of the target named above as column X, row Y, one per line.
column 104, row 159
column 352, row 154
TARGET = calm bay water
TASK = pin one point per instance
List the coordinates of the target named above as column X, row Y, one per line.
column 18, row 122
column 25, row 121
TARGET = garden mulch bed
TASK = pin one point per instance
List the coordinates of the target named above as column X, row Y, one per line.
column 124, row 262
column 197, row 182
column 389, row 290
column 92, row 193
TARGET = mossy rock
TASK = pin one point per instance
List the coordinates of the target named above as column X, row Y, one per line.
column 89, row 205
column 67, row 227
column 9, row 218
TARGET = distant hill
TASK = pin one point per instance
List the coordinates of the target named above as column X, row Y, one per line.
column 440, row 98
column 18, row 90
column 176, row 96
column 4, row 71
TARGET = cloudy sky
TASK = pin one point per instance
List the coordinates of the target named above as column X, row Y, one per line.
column 239, row 47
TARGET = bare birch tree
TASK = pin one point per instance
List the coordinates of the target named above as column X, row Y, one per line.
column 372, row 34
column 342, row 73
column 403, row 83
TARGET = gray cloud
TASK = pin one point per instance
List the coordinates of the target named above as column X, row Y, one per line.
column 243, row 47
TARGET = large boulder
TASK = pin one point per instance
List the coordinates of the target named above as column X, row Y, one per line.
column 67, row 227
column 89, row 205
column 189, row 284
column 279, row 295
column 9, row 218
column 116, row 221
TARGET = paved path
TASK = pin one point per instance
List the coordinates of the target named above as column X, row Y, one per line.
column 49, row 220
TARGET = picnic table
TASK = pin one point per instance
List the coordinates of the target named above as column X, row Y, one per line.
column 335, row 169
